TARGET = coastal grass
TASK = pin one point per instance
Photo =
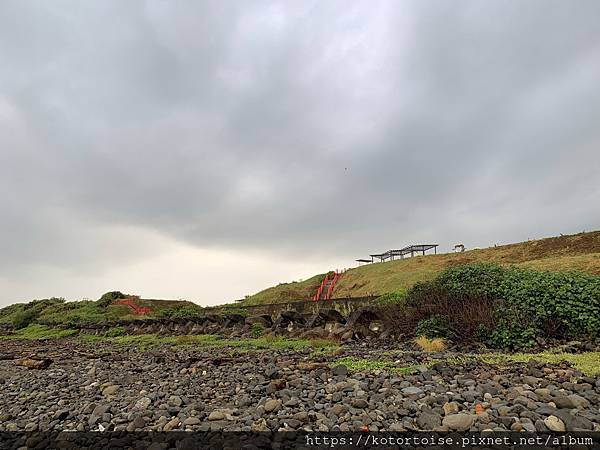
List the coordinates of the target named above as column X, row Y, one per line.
column 355, row 364
column 286, row 292
column 40, row 332
column 145, row 341
column 588, row 362
column 430, row 345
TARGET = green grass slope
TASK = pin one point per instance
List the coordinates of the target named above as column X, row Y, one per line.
column 286, row 292
column 580, row 252
column 56, row 311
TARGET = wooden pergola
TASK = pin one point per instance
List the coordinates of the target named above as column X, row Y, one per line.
column 360, row 261
column 393, row 254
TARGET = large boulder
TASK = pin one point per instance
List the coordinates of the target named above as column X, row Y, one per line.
column 363, row 317
column 316, row 321
column 289, row 319
column 332, row 315
column 233, row 319
column 214, row 318
column 263, row 320
column 293, row 316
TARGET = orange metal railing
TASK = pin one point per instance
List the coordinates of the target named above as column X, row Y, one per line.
column 138, row 310
column 317, row 296
column 331, row 280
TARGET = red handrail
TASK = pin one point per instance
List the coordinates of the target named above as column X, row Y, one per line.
column 331, row 280
column 317, row 296
column 330, row 290
column 138, row 310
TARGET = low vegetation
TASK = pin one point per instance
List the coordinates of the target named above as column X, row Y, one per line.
column 391, row 298
column 58, row 312
column 286, row 292
column 587, row 363
column 502, row 307
column 355, row 364
column 40, row 332
column 430, row 345
column 146, row 341
column 189, row 311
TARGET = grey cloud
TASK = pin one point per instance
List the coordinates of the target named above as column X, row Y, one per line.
column 322, row 127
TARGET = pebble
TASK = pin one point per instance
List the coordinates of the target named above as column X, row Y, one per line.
column 458, row 422
column 554, row 424
column 216, row 415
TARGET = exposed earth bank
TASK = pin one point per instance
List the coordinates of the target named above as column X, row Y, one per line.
column 67, row 385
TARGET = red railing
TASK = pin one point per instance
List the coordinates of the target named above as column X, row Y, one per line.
column 138, row 310
column 330, row 290
column 317, row 296
column 331, row 280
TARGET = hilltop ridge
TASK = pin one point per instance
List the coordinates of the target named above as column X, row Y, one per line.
column 580, row 252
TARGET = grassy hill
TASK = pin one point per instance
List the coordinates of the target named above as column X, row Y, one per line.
column 287, row 292
column 579, row 252
column 55, row 311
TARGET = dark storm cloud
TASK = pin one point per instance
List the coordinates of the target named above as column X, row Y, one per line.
column 336, row 126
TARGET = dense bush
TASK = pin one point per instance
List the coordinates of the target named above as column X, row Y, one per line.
column 392, row 298
column 523, row 303
column 436, row 326
column 257, row 330
column 23, row 314
column 481, row 280
column 181, row 312
column 22, row 319
column 74, row 314
column 114, row 332
column 110, row 297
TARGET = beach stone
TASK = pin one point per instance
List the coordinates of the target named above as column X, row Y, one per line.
column 142, row 403
column 340, row 370
column 458, row 422
column 110, row 390
column 412, row 390
column 428, row 421
column 450, row 408
column 564, row 402
column 272, row 405
column 360, row 403
column 553, row 423
column 216, row 415
column 191, row 421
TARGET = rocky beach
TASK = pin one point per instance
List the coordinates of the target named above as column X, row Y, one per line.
column 69, row 385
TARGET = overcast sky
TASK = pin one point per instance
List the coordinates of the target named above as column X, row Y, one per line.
column 207, row 149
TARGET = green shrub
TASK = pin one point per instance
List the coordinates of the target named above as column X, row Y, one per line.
column 563, row 303
column 481, row 280
column 436, row 326
column 110, row 297
column 181, row 312
column 41, row 332
column 21, row 315
column 75, row 314
column 257, row 330
column 22, row 319
column 391, row 298
column 526, row 303
column 114, row 332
